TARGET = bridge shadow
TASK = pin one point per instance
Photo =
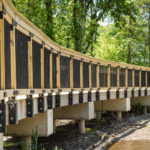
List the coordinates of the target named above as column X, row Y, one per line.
column 67, row 137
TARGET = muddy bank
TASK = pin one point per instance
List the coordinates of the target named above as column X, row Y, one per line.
column 98, row 136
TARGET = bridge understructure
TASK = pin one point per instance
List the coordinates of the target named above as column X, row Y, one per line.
column 41, row 81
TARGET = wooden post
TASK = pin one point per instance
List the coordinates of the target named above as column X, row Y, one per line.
column 97, row 75
column 58, row 69
column 81, row 73
column 118, row 77
column 13, row 58
column 51, row 70
column 30, row 66
column 2, row 57
column 140, row 85
column 71, row 72
column 90, row 74
column 42, row 67
column 133, row 78
column 126, row 78
column 108, row 76
column 146, row 78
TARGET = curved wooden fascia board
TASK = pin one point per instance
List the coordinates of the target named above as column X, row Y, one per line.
column 30, row 27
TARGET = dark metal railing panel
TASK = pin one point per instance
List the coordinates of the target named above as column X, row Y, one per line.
column 46, row 68
column 143, row 78
column 54, row 56
column 7, row 29
column 136, row 78
column 129, row 78
column 122, row 77
column 21, row 46
column 85, row 74
column 64, row 72
column 103, row 76
column 76, row 73
column 148, row 78
column 36, row 57
column 113, row 77
column 93, row 75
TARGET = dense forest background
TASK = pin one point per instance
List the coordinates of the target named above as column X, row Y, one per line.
column 117, row 30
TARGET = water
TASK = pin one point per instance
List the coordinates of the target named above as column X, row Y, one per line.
column 131, row 145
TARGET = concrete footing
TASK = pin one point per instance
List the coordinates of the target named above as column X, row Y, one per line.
column 119, row 116
column 82, row 126
column 26, row 143
column 98, row 116
column 145, row 110
column 1, row 141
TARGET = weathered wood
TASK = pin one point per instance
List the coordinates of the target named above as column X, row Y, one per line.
column 140, row 79
column 97, row 75
column 133, row 85
column 51, row 71
column 42, row 67
column 58, row 70
column 90, row 77
column 118, row 77
column 71, row 72
column 126, row 78
column 81, row 74
column 108, row 76
column 2, row 53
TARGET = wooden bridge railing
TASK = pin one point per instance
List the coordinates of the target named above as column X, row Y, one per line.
column 30, row 61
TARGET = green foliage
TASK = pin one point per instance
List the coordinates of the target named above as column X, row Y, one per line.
column 75, row 24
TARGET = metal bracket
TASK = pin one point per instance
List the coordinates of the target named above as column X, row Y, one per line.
column 139, row 92
column 145, row 92
column 108, row 94
column 132, row 92
column 41, row 104
column 126, row 93
column 29, row 106
column 2, row 117
column 50, row 101
column 118, row 94
column 97, row 95
column 89, row 96
column 12, row 107
column 57, row 100
column 81, row 97
column 70, row 97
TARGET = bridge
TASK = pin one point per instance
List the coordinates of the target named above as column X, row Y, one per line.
column 41, row 81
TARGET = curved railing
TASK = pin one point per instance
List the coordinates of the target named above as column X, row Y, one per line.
column 31, row 62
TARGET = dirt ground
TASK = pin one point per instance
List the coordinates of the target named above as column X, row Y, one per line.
column 98, row 136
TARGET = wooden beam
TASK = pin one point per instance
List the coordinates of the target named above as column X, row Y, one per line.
column 30, row 65
column 51, row 70
column 42, row 67
column 13, row 58
column 133, row 85
column 126, row 78
column 108, row 76
column 118, row 77
column 90, row 74
column 2, row 53
column 140, row 84
column 81, row 74
column 58, row 70
column 71, row 72
column 97, row 75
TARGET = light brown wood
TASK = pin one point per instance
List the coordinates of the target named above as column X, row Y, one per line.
column 13, row 58
column 118, row 77
column 42, row 67
column 140, row 78
column 90, row 77
column 146, row 78
column 81, row 74
column 58, row 70
column 126, row 78
column 97, row 75
column 71, row 72
column 108, row 76
column 30, row 66
column 133, row 85
column 2, row 55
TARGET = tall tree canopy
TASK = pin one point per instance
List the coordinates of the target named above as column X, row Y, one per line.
column 76, row 24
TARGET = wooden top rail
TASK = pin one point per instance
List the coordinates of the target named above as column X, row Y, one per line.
column 32, row 61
